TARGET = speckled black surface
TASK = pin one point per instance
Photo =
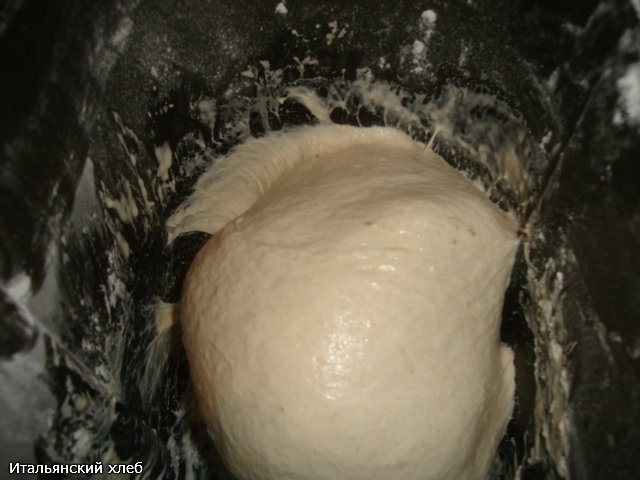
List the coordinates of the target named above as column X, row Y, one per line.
column 67, row 73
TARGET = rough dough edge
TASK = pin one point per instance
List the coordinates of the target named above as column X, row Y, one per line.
column 236, row 181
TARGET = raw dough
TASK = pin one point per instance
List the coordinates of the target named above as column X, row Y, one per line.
column 344, row 322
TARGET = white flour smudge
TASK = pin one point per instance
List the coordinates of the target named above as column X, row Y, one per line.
column 281, row 9
column 428, row 23
column 629, row 100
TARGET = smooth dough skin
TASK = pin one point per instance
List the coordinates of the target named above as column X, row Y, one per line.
column 343, row 324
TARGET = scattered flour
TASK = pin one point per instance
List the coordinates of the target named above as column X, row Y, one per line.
column 428, row 23
column 281, row 9
column 418, row 48
column 636, row 7
column 331, row 36
column 629, row 101
column 426, row 30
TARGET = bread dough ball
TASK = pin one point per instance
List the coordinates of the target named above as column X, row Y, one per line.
column 344, row 322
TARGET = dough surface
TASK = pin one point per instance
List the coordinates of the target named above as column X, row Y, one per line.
column 343, row 322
